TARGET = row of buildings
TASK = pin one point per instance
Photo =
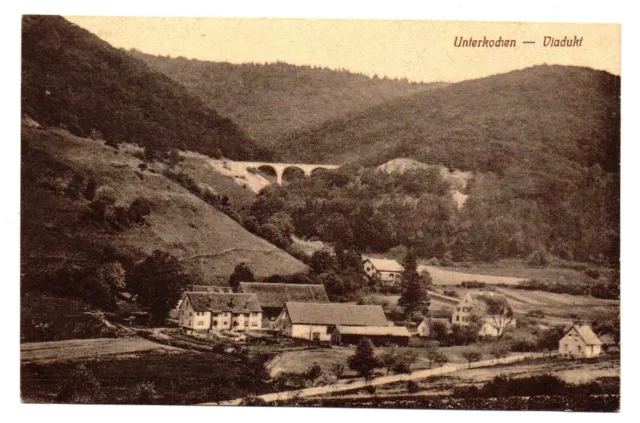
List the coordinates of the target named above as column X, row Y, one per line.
column 305, row 312
column 294, row 310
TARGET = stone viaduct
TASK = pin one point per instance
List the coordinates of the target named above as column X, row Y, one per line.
column 280, row 168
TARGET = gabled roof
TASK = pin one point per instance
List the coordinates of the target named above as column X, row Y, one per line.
column 210, row 288
column 218, row 302
column 373, row 330
column 586, row 333
column 386, row 265
column 275, row 295
column 336, row 314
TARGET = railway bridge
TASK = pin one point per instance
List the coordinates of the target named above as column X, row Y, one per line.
column 279, row 169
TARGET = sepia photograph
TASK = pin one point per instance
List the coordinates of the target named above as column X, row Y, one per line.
column 327, row 213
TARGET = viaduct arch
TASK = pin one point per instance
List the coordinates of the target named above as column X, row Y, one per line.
column 280, row 168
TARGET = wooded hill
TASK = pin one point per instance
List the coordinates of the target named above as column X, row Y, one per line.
column 485, row 124
column 71, row 78
column 543, row 144
column 270, row 100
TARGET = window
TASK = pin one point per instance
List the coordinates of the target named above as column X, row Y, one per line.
column 215, row 323
column 190, row 314
column 254, row 323
column 457, row 318
column 457, row 308
column 566, row 347
column 316, row 336
column 200, row 323
column 579, row 348
column 235, row 323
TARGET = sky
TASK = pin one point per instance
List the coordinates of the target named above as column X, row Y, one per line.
column 418, row 50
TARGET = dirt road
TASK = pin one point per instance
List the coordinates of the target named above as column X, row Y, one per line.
column 43, row 352
column 361, row 383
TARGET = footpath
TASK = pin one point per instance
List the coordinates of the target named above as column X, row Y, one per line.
column 383, row 380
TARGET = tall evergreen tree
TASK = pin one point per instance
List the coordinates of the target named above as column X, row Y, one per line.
column 414, row 296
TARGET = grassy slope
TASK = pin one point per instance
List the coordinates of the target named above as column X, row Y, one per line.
column 542, row 112
column 53, row 226
column 270, row 100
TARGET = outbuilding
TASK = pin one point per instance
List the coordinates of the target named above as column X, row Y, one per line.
column 379, row 335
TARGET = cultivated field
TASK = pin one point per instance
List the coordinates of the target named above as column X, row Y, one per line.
column 449, row 277
column 44, row 352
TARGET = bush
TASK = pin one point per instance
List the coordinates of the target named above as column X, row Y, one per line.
column 369, row 389
column 539, row 314
column 252, row 401
column 450, row 293
column 81, row 387
column 472, row 284
column 592, row 273
column 412, row 387
column 313, row 372
column 145, row 393
column 139, row 208
column 537, row 259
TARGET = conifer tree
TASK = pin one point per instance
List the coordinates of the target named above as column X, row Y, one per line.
column 414, row 296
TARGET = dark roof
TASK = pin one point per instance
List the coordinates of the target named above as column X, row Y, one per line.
column 337, row 314
column 210, row 288
column 217, row 302
column 275, row 295
column 373, row 330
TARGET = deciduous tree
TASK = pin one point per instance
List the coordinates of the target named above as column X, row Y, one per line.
column 364, row 361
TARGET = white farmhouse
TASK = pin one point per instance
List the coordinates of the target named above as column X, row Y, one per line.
column 387, row 272
column 580, row 341
column 214, row 311
column 490, row 311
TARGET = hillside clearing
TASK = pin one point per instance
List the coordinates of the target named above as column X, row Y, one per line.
column 180, row 223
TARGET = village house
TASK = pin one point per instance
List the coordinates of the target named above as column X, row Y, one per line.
column 316, row 321
column 387, row 272
column 488, row 310
column 175, row 313
column 214, row 311
column 580, row 341
column 273, row 296
column 379, row 335
column 425, row 328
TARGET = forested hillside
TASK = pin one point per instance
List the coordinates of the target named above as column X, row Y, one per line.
column 540, row 113
column 270, row 100
column 71, row 78
column 542, row 143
